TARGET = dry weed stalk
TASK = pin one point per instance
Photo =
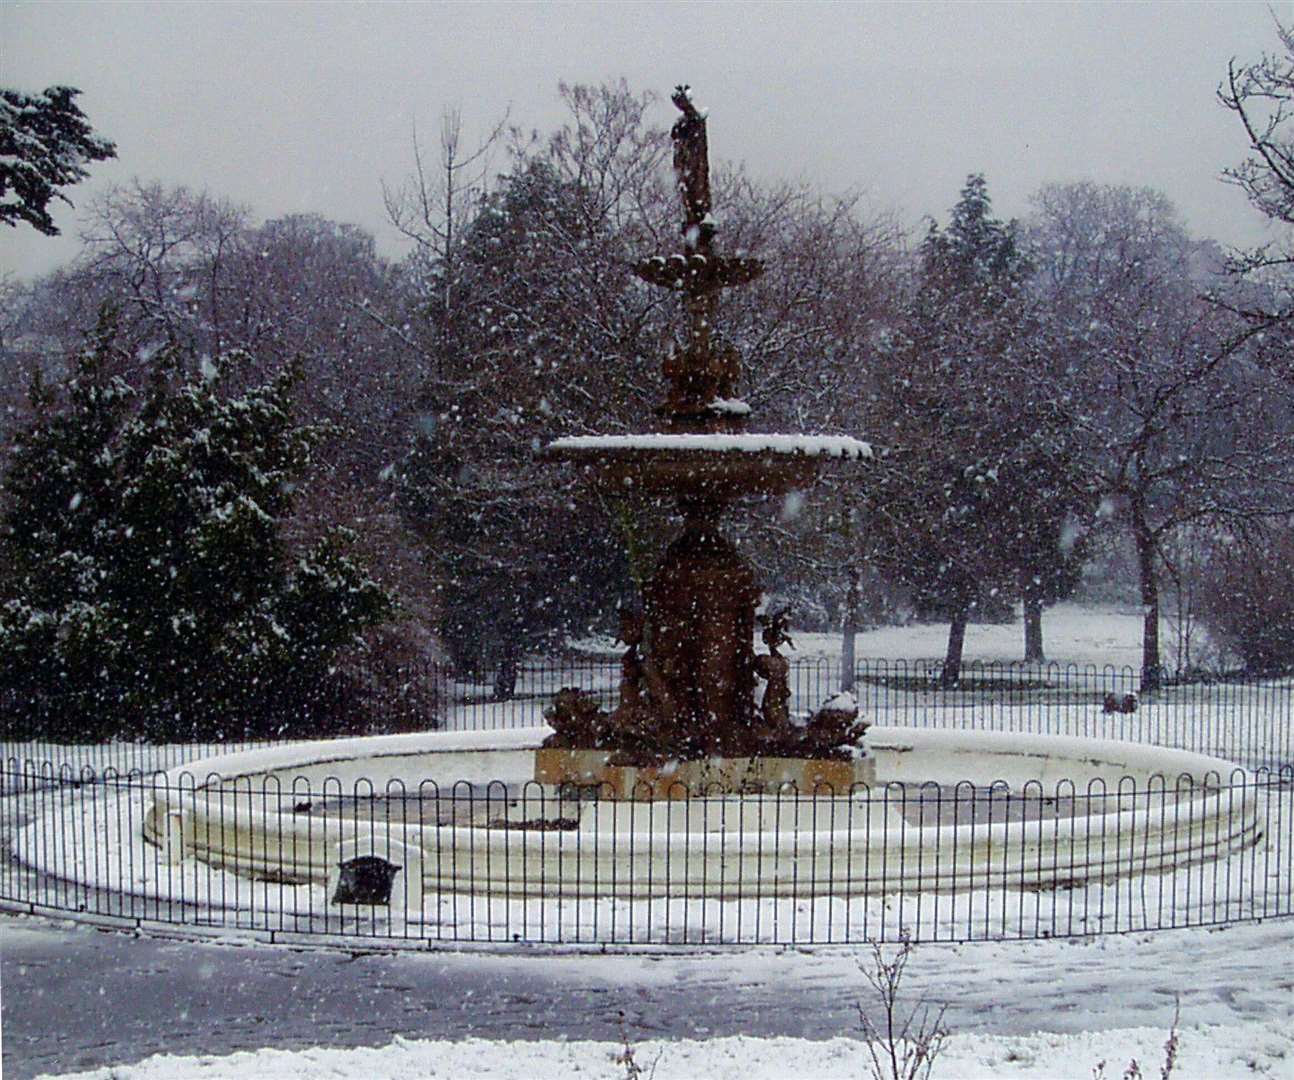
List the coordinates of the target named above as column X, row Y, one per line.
column 906, row 1044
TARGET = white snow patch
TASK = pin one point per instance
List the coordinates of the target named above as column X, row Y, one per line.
column 839, row 446
column 1203, row 1053
column 731, row 406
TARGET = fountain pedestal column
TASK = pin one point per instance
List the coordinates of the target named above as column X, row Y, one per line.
column 700, row 615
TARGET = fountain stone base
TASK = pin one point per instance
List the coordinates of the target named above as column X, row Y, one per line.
column 708, row 776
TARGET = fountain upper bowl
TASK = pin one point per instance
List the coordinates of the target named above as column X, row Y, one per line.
column 719, row 465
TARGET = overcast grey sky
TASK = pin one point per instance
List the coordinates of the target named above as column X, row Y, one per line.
column 291, row 107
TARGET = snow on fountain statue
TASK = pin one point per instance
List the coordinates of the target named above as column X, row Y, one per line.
column 688, row 692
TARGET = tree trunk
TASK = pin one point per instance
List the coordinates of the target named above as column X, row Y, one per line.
column 1151, row 672
column 1033, row 653
column 505, row 675
column 849, row 632
column 952, row 671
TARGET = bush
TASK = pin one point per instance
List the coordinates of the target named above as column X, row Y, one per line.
column 1248, row 604
column 147, row 587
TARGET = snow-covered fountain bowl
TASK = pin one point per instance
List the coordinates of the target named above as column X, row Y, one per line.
column 457, row 813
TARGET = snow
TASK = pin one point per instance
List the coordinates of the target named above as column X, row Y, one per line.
column 1038, row 1008
column 1075, row 634
column 731, row 406
column 324, row 751
column 839, row 446
column 1204, row 1052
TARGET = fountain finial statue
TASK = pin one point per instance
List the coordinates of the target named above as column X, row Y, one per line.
column 692, row 170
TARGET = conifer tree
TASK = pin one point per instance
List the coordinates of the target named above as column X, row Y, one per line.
column 148, row 588
column 45, row 141
column 975, row 495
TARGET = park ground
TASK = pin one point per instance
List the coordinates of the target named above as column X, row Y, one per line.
column 106, row 1004
column 75, row 1000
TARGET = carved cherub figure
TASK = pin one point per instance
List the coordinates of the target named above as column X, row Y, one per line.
column 775, row 670
column 577, row 721
column 645, row 712
column 834, row 728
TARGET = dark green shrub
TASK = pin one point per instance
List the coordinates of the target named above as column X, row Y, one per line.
column 146, row 586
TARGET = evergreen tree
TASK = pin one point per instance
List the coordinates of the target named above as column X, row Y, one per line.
column 147, row 586
column 45, row 141
column 974, row 495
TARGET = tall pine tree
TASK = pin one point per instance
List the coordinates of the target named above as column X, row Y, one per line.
column 972, row 504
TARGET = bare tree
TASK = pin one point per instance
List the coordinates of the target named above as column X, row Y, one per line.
column 547, row 332
column 808, row 333
column 1261, row 94
column 433, row 205
column 1159, row 383
column 190, row 269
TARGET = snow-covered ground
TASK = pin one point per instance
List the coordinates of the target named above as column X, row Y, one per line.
column 1078, row 634
column 1041, row 1008
column 1201, row 1053
column 1030, row 1009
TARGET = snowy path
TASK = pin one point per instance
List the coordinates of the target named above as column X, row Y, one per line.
column 119, row 998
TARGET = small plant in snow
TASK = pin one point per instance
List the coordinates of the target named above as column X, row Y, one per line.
column 1133, row 1070
column 633, row 1071
column 905, row 1044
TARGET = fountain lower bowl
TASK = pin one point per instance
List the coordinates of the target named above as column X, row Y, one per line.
column 501, row 835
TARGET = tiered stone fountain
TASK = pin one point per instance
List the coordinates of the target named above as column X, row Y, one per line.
column 448, row 813
column 688, row 694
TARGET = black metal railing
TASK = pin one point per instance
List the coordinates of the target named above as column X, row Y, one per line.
column 102, row 831
column 1115, row 858
column 1248, row 722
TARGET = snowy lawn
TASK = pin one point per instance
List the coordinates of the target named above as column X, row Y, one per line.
column 1202, row 1053
column 1078, row 634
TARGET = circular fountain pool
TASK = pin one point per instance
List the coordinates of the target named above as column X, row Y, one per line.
column 945, row 811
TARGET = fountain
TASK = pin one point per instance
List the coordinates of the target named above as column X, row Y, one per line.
column 692, row 787
column 688, row 694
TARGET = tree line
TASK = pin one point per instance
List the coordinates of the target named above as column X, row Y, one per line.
column 264, row 453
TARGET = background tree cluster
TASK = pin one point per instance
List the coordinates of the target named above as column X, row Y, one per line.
column 1088, row 382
